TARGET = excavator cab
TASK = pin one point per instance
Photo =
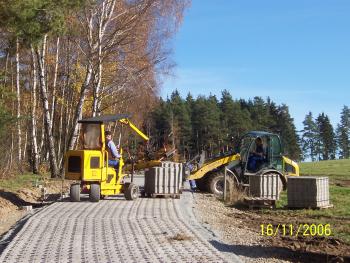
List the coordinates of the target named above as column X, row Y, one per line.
column 89, row 164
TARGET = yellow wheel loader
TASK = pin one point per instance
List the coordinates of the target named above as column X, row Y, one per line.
column 209, row 174
column 89, row 165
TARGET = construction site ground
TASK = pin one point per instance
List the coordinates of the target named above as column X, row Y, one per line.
column 240, row 228
column 196, row 228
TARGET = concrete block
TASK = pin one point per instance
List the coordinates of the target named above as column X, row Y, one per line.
column 178, row 166
column 162, row 180
column 266, row 186
column 308, row 191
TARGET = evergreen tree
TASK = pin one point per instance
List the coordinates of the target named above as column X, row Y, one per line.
column 181, row 122
column 309, row 137
column 235, row 121
column 260, row 114
column 189, row 103
column 206, row 123
column 161, row 117
column 326, row 137
column 31, row 20
column 343, row 133
column 285, row 127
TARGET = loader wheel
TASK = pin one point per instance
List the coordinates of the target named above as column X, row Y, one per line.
column 131, row 192
column 202, row 184
column 95, row 192
column 75, row 192
column 216, row 183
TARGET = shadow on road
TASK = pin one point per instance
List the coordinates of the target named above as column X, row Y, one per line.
column 278, row 252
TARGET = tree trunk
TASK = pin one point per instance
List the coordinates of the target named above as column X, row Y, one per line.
column 25, row 146
column 53, row 105
column 19, row 132
column 79, row 108
column 96, row 93
column 96, row 96
column 35, row 156
column 42, row 139
column 47, row 125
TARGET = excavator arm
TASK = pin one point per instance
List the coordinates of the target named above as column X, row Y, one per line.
column 132, row 126
column 142, row 164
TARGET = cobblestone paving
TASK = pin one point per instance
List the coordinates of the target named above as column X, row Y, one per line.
column 145, row 230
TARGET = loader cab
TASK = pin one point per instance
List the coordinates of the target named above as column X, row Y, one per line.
column 272, row 152
column 92, row 136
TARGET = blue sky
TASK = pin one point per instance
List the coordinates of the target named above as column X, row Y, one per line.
column 297, row 52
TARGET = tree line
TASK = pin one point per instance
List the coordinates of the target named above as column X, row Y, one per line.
column 212, row 124
column 320, row 141
column 62, row 60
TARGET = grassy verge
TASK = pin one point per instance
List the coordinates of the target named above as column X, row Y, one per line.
column 18, row 182
column 335, row 169
column 338, row 216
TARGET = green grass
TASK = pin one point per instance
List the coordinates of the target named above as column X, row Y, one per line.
column 338, row 216
column 18, row 182
column 335, row 169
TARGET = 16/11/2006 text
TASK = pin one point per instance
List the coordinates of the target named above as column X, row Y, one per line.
column 295, row 230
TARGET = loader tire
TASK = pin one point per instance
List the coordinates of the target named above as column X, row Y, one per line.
column 131, row 191
column 216, row 183
column 202, row 184
column 95, row 192
column 75, row 192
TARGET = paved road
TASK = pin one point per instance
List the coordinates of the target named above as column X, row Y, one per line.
column 113, row 230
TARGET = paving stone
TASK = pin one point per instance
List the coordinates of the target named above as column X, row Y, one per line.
column 113, row 230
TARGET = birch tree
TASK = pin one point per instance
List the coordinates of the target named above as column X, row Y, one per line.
column 18, row 93
column 81, row 58
column 35, row 157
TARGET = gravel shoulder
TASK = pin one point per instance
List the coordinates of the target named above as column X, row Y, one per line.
column 234, row 234
column 239, row 231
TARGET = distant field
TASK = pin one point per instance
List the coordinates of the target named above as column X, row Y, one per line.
column 335, row 169
column 338, row 172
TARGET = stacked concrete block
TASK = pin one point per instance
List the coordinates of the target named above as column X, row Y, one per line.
column 162, row 180
column 308, row 191
column 265, row 186
column 179, row 167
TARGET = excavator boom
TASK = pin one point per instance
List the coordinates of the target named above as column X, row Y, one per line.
column 132, row 126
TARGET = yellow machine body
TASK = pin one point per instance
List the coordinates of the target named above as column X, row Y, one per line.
column 211, row 165
column 284, row 165
column 90, row 164
column 290, row 167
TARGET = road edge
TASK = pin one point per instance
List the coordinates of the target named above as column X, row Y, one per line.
column 187, row 209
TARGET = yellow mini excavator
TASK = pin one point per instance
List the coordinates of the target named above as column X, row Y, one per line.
column 89, row 165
